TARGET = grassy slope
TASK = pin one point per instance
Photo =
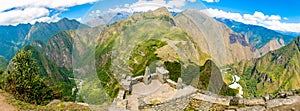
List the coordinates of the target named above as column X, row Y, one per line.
column 277, row 70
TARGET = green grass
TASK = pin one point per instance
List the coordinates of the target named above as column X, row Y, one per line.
column 139, row 62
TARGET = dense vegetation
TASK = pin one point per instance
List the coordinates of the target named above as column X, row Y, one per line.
column 105, row 75
column 277, row 70
column 143, row 55
column 53, row 74
column 23, row 80
column 174, row 69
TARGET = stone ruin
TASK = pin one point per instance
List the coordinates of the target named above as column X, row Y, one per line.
column 161, row 74
column 127, row 82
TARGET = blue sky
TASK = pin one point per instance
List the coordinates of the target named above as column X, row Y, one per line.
column 284, row 8
column 281, row 15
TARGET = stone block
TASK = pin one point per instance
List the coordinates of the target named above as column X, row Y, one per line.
column 162, row 73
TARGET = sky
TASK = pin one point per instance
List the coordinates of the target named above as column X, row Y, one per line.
column 283, row 15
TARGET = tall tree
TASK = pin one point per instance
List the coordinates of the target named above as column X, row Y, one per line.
column 23, row 80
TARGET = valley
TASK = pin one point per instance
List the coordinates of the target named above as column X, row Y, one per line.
column 158, row 59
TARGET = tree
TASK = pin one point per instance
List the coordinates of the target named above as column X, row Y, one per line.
column 23, row 80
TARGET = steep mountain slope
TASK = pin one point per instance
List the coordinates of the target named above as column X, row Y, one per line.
column 59, row 47
column 215, row 38
column 155, row 39
column 57, row 77
column 13, row 38
column 128, row 46
column 262, row 38
column 276, row 70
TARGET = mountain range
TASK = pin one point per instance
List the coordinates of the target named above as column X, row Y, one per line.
column 13, row 38
column 189, row 44
column 261, row 38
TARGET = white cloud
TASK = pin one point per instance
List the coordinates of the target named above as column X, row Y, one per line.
column 192, row 0
column 258, row 18
column 79, row 19
column 149, row 5
column 210, row 1
column 13, row 12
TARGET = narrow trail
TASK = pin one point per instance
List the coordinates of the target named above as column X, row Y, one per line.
column 4, row 105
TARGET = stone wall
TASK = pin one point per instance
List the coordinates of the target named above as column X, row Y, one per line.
column 179, row 103
column 251, row 101
column 212, row 98
column 171, row 83
column 137, row 80
column 175, row 104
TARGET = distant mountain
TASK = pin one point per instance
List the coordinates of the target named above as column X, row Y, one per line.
column 260, row 37
column 276, row 70
column 13, row 38
column 294, row 34
column 108, row 18
column 43, row 31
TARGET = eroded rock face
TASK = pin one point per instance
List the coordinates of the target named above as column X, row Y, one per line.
column 59, row 49
column 238, row 38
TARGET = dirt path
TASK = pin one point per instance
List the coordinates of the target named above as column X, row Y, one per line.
column 4, row 105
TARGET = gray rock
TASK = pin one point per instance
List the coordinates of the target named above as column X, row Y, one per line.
column 147, row 76
column 179, row 84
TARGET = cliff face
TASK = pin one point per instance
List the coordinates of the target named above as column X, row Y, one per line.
column 276, row 70
column 59, row 49
column 215, row 38
column 261, row 38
